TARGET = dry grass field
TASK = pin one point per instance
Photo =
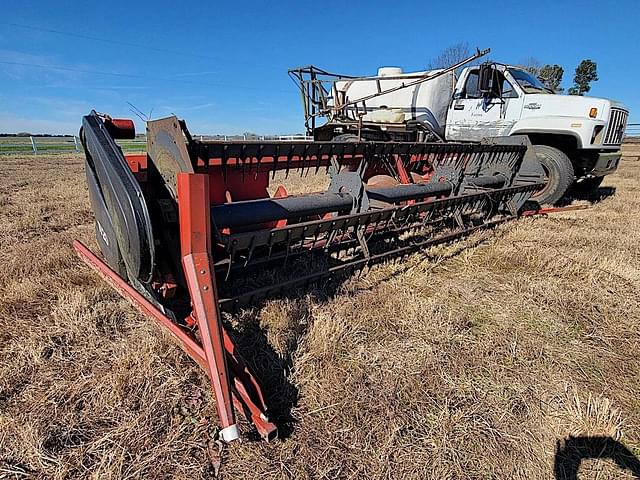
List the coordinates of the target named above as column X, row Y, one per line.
column 513, row 354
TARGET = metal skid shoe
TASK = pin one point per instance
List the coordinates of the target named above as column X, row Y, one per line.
column 181, row 226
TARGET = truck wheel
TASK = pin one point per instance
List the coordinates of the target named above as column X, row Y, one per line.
column 558, row 173
column 588, row 185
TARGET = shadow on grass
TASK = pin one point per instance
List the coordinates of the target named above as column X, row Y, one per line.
column 571, row 452
column 592, row 196
column 272, row 368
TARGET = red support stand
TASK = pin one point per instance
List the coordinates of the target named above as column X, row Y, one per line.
column 195, row 244
column 232, row 381
column 547, row 210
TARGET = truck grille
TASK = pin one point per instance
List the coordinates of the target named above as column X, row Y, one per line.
column 617, row 125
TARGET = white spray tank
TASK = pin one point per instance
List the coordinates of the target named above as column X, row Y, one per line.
column 427, row 101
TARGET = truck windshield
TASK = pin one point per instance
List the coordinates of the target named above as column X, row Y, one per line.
column 528, row 82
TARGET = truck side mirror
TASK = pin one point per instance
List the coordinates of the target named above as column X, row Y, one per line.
column 486, row 77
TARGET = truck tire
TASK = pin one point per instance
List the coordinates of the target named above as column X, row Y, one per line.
column 558, row 172
column 588, row 185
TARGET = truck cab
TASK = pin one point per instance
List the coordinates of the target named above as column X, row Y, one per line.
column 576, row 138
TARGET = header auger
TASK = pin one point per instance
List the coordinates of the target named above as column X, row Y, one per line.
column 183, row 227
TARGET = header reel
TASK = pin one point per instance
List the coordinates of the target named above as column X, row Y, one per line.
column 183, row 227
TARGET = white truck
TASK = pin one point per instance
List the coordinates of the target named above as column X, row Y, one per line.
column 577, row 139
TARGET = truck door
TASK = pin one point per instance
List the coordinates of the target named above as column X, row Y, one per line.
column 473, row 116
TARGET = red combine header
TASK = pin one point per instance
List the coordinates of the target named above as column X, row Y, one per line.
column 190, row 228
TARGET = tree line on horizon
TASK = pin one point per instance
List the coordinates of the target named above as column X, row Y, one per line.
column 549, row 74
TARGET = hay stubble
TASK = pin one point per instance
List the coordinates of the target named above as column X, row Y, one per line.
column 472, row 361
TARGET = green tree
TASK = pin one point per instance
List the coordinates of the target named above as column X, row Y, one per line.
column 586, row 73
column 551, row 77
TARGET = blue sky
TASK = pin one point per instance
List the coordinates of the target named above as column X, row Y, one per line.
column 223, row 65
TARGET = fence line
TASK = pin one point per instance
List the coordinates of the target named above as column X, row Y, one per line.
column 71, row 144
column 632, row 130
column 35, row 144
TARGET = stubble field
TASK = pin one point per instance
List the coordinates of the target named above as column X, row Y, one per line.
column 513, row 354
